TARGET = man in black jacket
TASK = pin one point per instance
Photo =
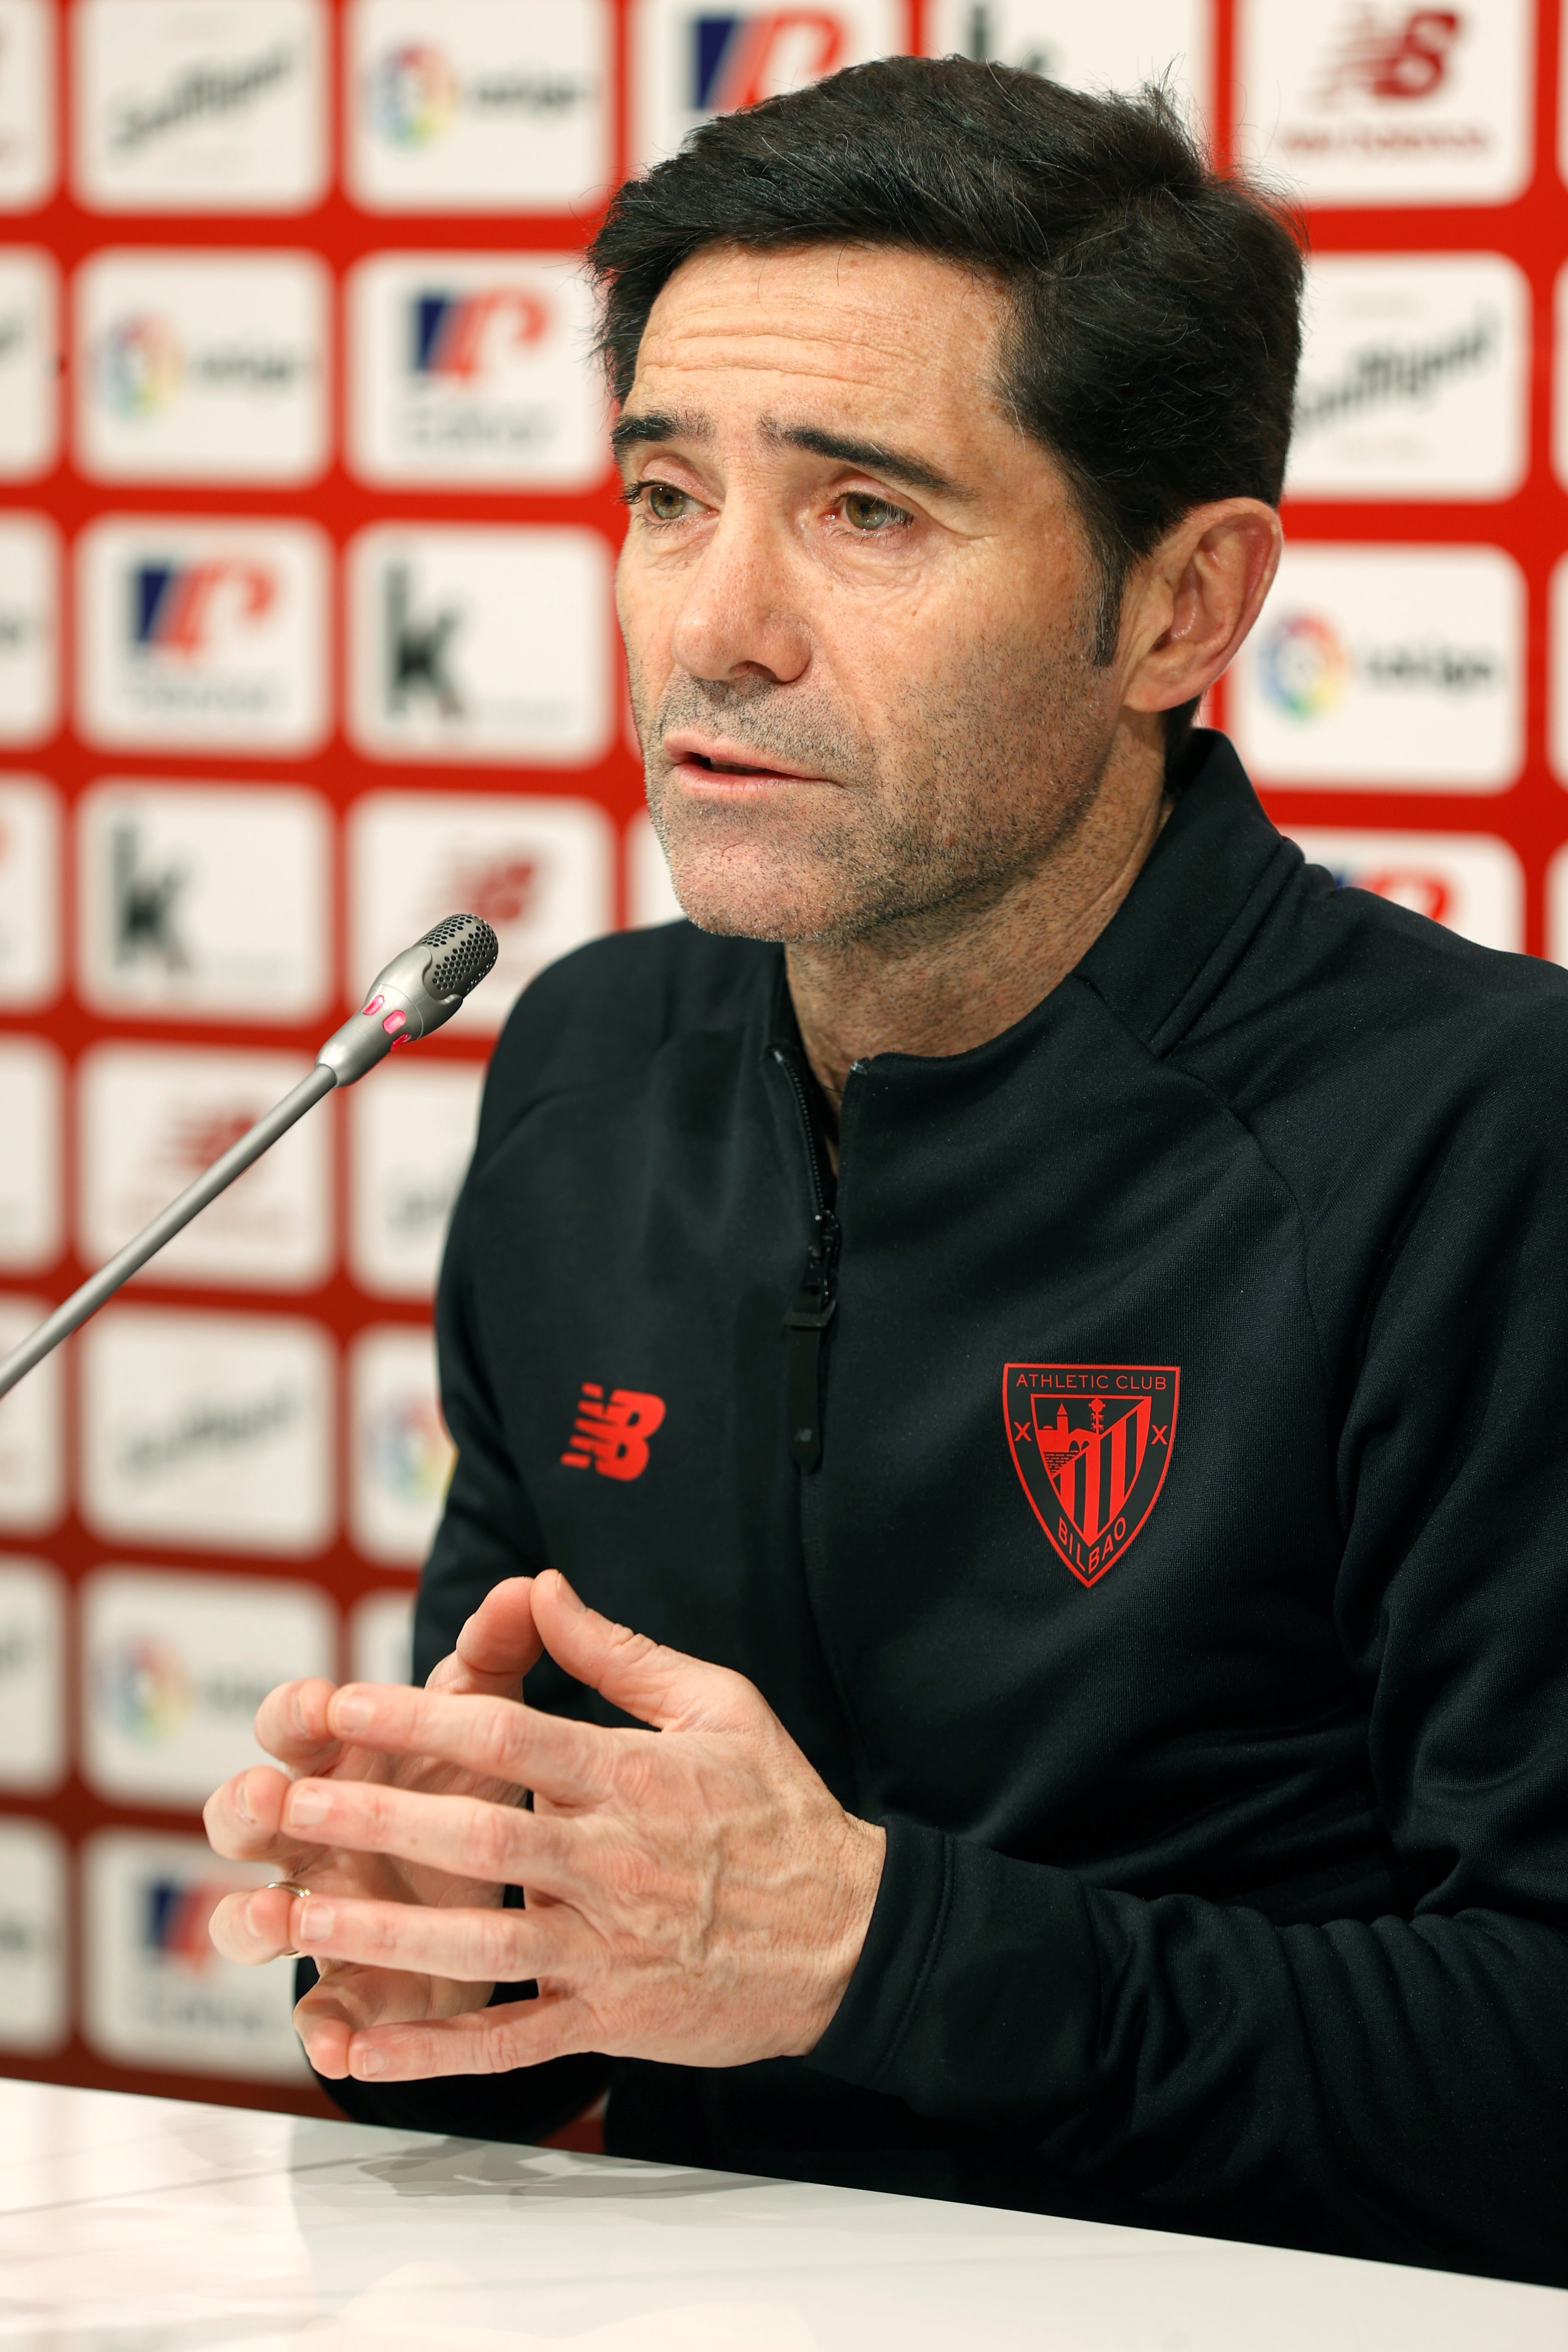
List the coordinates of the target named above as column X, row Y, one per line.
column 1050, row 1324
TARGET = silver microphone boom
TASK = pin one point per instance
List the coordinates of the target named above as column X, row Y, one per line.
column 418, row 991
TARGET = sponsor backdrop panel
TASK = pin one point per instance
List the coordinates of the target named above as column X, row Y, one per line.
column 306, row 639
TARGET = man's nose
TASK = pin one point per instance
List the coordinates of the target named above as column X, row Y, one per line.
column 740, row 615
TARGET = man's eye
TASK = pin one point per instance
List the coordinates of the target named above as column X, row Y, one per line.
column 663, row 501
column 863, row 513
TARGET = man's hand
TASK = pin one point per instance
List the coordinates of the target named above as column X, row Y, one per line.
column 694, row 1892
column 245, row 1822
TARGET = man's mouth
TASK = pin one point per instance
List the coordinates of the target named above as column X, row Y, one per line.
column 698, row 758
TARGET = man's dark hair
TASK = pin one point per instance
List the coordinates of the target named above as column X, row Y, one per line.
column 1155, row 328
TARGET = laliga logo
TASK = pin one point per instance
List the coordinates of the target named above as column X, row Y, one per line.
column 139, row 366
column 1304, row 665
column 410, row 1453
column 453, row 333
column 175, row 608
column 1405, row 56
column 145, row 1690
column 738, row 60
column 413, row 94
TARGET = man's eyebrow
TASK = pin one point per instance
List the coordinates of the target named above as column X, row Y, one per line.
column 631, row 432
column 659, row 424
column 872, row 457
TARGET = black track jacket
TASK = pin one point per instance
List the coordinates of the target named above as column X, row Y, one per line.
column 1179, row 1568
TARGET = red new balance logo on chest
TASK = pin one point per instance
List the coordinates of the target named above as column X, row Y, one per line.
column 611, row 1433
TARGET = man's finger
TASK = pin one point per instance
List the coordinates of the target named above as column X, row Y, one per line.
column 481, row 2042
column 463, row 1836
column 346, row 2001
column 291, row 1723
column 501, row 1643
column 496, row 1738
column 660, row 1686
column 466, row 1946
column 253, row 1929
column 243, row 1819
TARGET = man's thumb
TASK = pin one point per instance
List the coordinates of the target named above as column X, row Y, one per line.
column 660, row 1686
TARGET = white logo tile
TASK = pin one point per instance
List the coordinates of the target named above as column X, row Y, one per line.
column 206, row 634
column 1469, row 882
column 174, row 1666
column 34, row 1974
column 29, row 891
column 29, row 628
column 205, row 901
column 1391, row 667
column 482, row 643
column 157, row 1993
column 29, row 356
column 539, row 871
column 198, row 367
column 212, row 109
column 650, row 893
column 1377, row 102
column 475, row 368
column 692, row 62
column 32, row 1430
column 411, row 1137
column 1415, row 378
column 402, row 1455
column 207, row 1428
column 31, row 1159
column 150, row 1118
column 465, row 106
column 26, row 103
column 32, row 1683
column 381, row 1638
column 1087, row 48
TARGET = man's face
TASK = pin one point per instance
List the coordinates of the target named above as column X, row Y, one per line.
column 857, row 600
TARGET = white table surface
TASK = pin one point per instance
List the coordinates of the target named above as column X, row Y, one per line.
column 148, row 2225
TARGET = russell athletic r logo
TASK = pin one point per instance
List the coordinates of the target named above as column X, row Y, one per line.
column 1090, row 1443
column 612, row 1433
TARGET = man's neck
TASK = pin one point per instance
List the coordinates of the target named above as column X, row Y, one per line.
column 943, row 982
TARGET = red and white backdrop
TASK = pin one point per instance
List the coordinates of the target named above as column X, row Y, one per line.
column 306, row 639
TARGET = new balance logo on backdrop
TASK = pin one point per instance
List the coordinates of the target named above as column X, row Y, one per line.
column 1378, row 104
column 611, row 1435
column 1406, row 55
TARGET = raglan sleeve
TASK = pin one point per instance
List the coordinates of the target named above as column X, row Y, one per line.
column 1398, row 2087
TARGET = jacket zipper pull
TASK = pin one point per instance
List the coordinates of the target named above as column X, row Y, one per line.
column 805, row 1322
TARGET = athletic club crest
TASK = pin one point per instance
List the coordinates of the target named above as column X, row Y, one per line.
column 1091, row 1444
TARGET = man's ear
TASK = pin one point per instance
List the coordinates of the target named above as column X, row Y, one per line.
column 1191, row 602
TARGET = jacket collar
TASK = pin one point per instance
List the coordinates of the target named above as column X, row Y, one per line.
column 1205, row 888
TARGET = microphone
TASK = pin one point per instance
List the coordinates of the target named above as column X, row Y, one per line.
column 418, row 991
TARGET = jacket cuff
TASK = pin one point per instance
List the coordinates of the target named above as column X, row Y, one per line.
column 976, row 1995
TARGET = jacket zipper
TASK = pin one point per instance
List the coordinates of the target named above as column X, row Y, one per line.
column 812, row 1309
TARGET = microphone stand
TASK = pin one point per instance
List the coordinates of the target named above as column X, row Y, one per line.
column 415, row 993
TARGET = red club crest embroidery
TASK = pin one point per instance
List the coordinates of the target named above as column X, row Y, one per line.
column 1091, row 1444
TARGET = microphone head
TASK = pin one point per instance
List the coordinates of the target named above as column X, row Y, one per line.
column 418, row 991
column 466, row 949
